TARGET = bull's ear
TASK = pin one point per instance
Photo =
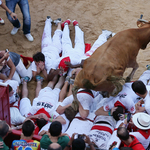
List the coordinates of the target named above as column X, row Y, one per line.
column 140, row 24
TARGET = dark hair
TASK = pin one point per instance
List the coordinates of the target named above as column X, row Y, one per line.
column 78, row 144
column 50, row 148
column 70, row 113
column 39, row 57
column 28, row 128
column 55, row 128
column 119, row 110
column 41, row 122
column 139, row 87
column 10, row 88
column 122, row 133
column 4, row 128
column 126, row 148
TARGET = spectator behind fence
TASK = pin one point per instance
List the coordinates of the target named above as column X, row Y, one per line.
column 54, row 136
column 26, row 141
column 4, row 129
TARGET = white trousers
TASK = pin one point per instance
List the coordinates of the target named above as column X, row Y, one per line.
column 100, row 41
column 51, row 45
column 67, row 48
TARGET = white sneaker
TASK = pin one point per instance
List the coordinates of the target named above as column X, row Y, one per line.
column 2, row 21
column 57, row 21
column 14, row 31
column 29, row 37
column 48, row 17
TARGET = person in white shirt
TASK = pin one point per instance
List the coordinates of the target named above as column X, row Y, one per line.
column 51, row 48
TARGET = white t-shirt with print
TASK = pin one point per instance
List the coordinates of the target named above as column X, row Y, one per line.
column 126, row 97
column 47, row 99
column 84, row 99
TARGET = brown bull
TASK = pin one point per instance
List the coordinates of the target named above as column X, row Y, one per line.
column 104, row 70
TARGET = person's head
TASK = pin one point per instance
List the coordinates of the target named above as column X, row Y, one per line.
column 123, row 133
column 11, row 91
column 38, row 58
column 55, row 128
column 41, row 122
column 70, row 113
column 116, row 114
column 62, row 66
column 4, row 128
column 54, row 146
column 28, row 128
column 78, row 144
column 141, row 120
column 139, row 87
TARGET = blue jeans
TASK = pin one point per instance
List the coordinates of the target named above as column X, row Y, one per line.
column 24, row 7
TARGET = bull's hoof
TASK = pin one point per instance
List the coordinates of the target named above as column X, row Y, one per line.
column 128, row 79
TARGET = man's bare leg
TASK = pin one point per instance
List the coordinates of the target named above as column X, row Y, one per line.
column 24, row 89
column 63, row 91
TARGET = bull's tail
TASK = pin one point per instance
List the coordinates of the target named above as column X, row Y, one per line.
column 74, row 92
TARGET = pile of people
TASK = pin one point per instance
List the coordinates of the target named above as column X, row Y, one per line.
column 64, row 123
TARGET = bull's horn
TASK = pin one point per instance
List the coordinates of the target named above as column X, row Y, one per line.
column 142, row 20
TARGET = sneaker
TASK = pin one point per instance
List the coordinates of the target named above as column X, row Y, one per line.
column 68, row 21
column 148, row 67
column 29, row 37
column 48, row 17
column 39, row 78
column 14, row 31
column 57, row 21
column 2, row 21
column 67, row 79
column 26, row 79
column 75, row 23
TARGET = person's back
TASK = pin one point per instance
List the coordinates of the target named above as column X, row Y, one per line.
column 55, row 136
column 26, row 139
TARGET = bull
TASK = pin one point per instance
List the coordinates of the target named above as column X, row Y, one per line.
column 104, row 70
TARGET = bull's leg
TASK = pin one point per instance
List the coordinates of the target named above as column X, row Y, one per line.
column 130, row 76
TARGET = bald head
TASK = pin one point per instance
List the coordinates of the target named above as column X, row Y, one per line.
column 123, row 133
column 54, row 146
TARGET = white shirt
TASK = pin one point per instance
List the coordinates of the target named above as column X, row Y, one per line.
column 47, row 99
column 126, row 98
column 147, row 100
column 84, row 99
column 0, row 2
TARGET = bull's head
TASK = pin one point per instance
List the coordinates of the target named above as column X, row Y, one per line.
column 142, row 22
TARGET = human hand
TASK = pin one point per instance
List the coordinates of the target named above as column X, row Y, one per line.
column 13, row 16
column 137, row 105
column 68, row 64
column 87, row 139
column 6, row 55
column 113, row 109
